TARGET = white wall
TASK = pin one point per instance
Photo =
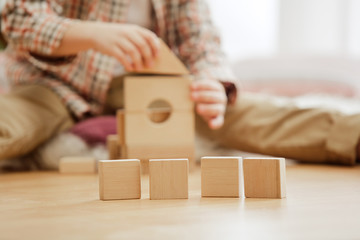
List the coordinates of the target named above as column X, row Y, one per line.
column 248, row 27
column 353, row 40
column 267, row 28
column 319, row 27
column 312, row 27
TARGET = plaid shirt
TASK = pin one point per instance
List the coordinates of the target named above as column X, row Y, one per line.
column 82, row 81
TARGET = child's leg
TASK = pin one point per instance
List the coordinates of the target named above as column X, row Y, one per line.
column 311, row 135
column 29, row 116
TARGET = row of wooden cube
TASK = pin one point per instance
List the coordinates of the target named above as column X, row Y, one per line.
column 168, row 178
column 260, row 177
column 121, row 179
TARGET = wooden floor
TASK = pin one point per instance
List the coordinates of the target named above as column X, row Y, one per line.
column 323, row 202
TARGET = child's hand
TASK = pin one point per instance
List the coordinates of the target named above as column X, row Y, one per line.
column 133, row 46
column 211, row 100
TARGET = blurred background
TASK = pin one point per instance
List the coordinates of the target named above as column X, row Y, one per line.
column 291, row 47
column 265, row 28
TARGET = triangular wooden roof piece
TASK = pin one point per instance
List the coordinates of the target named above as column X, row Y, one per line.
column 166, row 63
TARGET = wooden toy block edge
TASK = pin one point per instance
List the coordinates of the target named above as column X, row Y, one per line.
column 280, row 167
column 131, row 162
column 120, row 126
column 113, row 147
column 77, row 164
column 154, row 161
column 235, row 163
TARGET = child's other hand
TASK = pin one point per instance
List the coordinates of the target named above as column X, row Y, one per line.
column 211, row 100
column 133, row 46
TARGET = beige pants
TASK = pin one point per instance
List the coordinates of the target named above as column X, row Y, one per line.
column 309, row 135
column 30, row 115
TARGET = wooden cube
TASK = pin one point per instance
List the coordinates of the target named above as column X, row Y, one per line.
column 77, row 165
column 221, row 176
column 113, row 147
column 119, row 179
column 264, row 177
column 168, row 178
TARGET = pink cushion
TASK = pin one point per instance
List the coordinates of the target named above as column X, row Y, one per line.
column 95, row 130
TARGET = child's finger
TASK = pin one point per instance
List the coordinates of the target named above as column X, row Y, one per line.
column 131, row 50
column 206, row 85
column 143, row 47
column 208, row 97
column 210, row 110
column 152, row 40
column 121, row 57
column 216, row 123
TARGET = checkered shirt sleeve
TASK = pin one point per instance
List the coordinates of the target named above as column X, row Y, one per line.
column 33, row 26
column 200, row 47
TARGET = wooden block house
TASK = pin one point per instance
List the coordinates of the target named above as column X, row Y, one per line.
column 158, row 116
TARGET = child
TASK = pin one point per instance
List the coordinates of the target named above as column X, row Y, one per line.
column 63, row 57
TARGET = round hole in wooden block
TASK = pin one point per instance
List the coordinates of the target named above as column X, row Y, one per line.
column 159, row 111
